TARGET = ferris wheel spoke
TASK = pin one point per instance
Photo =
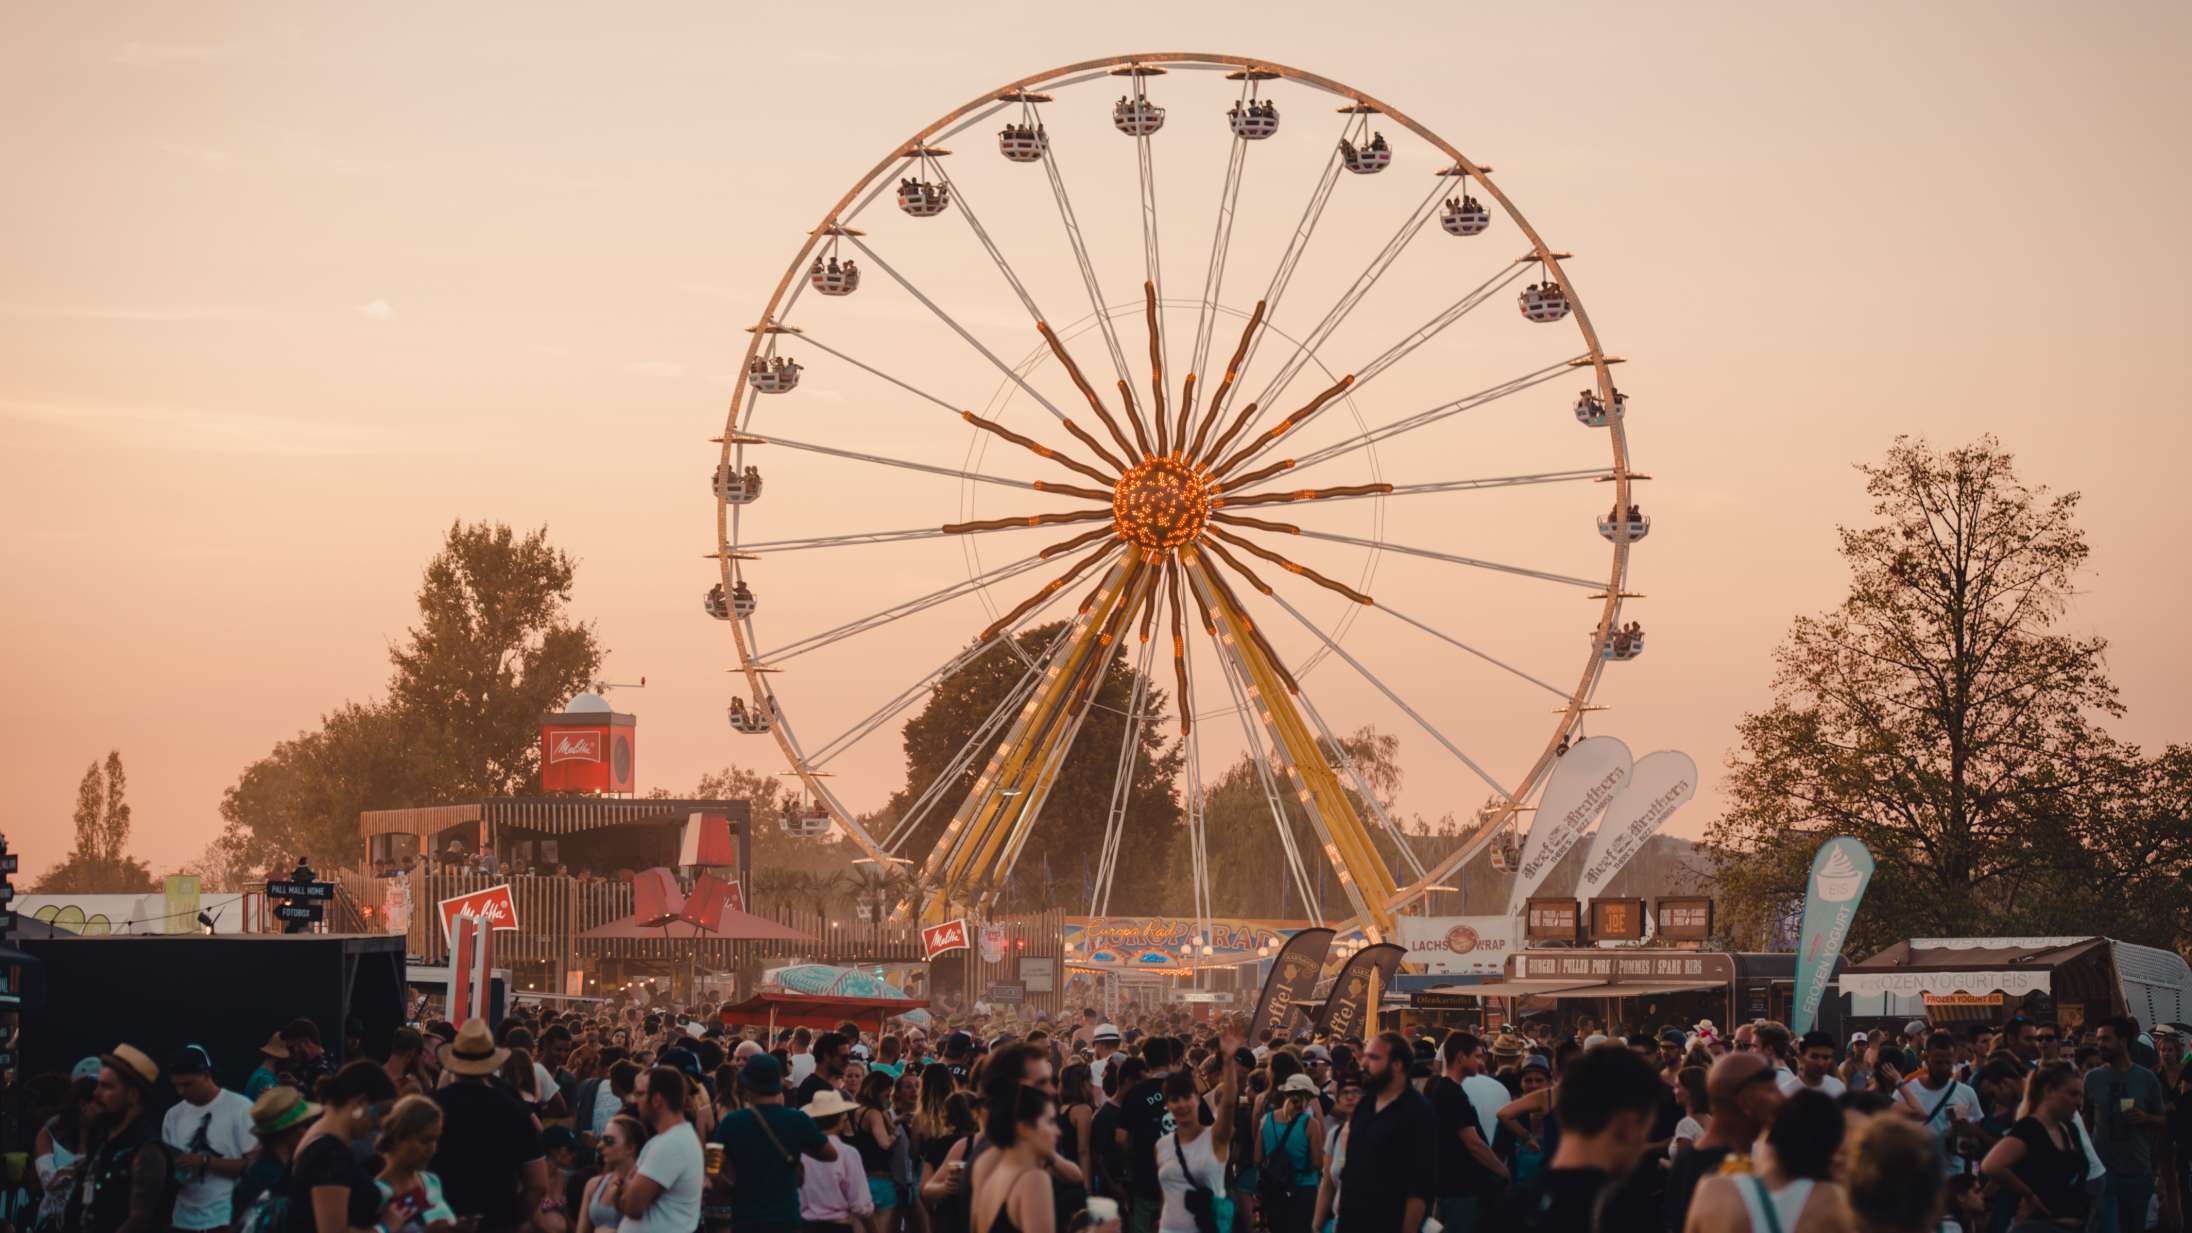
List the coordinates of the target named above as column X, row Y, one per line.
column 1353, row 296
column 1416, row 338
column 981, row 233
column 1391, row 696
column 1249, row 546
column 883, row 460
column 1253, row 735
column 1009, row 372
column 1079, row 244
column 1486, row 483
column 1353, row 771
column 1451, row 559
column 812, row 341
column 1221, row 243
column 1049, row 589
column 1122, row 783
column 1155, row 316
column 1284, row 426
column 955, row 770
column 778, row 655
column 1431, row 329
column 1458, row 644
column 1006, row 638
column 1040, row 450
column 1152, row 279
column 1095, row 401
column 1296, row 245
column 1423, row 419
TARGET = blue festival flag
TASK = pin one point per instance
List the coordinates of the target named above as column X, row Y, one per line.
column 1839, row 874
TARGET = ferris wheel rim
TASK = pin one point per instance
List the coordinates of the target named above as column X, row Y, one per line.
column 836, row 222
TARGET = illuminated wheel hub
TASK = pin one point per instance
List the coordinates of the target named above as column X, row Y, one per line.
column 1160, row 504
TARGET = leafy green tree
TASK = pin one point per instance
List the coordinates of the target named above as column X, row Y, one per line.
column 1062, row 852
column 100, row 861
column 494, row 650
column 1943, row 716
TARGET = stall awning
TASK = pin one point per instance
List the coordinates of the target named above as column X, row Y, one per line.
column 1518, row 988
column 1910, row 982
column 1638, row 988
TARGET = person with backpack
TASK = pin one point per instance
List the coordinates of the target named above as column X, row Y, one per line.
column 1290, row 1156
column 279, row 1118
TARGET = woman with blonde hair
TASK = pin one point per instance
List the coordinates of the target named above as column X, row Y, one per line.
column 2042, row 1159
column 1896, row 1178
column 411, row 1198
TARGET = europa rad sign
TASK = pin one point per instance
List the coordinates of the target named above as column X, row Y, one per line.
column 493, row 905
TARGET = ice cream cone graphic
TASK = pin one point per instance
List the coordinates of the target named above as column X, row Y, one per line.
column 1838, row 878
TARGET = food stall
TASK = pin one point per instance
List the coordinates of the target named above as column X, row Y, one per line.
column 2064, row 980
column 1647, row 988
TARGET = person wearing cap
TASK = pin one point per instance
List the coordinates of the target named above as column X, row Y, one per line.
column 124, row 1183
column 763, row 1143
column 490, row 1160
column 209, row 1129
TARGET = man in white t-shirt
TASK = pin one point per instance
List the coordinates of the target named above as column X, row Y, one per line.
column 209, row 1129
column 1935, row 1099
column 1105, row 1041
column 664, row 1193
column 1814, row 1067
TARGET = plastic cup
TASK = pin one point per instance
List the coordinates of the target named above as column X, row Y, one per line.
column 1102, row 1210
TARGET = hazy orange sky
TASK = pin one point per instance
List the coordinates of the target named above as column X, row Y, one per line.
column 288, row 289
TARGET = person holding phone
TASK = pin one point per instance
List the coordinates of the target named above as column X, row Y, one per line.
column 411, row 1199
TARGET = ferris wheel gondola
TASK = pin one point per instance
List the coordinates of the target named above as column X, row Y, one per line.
column 1228, row 515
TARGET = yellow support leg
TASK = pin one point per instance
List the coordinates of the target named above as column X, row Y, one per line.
column 1355, row 860
column 992, row 800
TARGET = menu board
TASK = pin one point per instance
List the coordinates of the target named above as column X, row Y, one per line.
column 1551, row 920
column 1617, row 920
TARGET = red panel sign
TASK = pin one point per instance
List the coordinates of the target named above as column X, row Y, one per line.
column 493, row 905
column 936, row 939
column 574, row 744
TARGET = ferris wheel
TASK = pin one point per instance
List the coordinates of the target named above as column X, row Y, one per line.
column 1373, row 470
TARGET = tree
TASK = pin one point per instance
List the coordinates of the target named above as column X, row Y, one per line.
column 100, row 862
column 494, row 650
column 1069, row 833
column 1941, row 716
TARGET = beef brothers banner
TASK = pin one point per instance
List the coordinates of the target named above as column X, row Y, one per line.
column 1582, row 781
column 1347, row 1007
column 1839, row 874
column 1293, row 977
column 1659, row 784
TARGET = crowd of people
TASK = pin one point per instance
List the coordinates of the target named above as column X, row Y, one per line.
column 644, row 1120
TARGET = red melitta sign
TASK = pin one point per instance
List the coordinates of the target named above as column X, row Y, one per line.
column 494, row 905
column 951, row 935
column 574, row 745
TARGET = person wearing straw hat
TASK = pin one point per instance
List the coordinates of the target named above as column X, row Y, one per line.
column 273, row 1055
column 834, row 1195
column 278, row 1120
column 490, row 1160
column 126, row 1183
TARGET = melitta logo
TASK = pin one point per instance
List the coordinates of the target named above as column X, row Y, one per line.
column 574, row 747
column 951, row 935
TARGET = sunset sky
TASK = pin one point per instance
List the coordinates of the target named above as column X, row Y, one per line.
column 290, row 288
